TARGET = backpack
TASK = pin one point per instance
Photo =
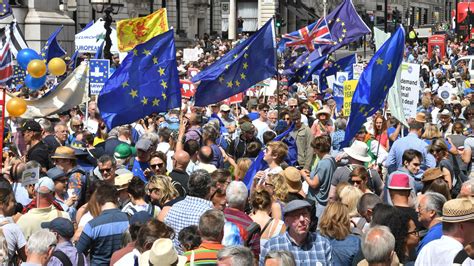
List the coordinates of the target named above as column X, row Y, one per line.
column 150, row 210
column 85, row 186
column 292, row 156
column 64, row 259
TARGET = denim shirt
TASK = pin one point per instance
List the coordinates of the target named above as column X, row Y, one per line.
column 344, row 251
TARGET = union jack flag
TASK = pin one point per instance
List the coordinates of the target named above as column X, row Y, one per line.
column 6, row 68
column 309, row 37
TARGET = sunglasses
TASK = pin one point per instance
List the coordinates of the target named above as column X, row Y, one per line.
column 158, row 165
column 105, row 170
column 265, row 110
column 358, row 182
column 293, row 106
column 152, row 190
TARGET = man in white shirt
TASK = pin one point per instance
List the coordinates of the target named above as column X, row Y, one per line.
column 458, row 228
column 261, row 123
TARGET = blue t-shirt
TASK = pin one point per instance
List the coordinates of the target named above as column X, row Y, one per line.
column 253, row 115
column 138, row 169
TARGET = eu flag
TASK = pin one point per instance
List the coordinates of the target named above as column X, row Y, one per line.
column 342, row 65
column 5, row 9
column 375, row 82
column 304, row 73
column 52, row 48
column 250, row 62
column 146, row 82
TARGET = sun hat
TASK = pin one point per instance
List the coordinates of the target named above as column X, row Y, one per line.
column 445, row 112
column 399, row 181
column 162, row 253
column 458, row 210
column 432, row 174
column 79, row 148
column 121, row 181
column 293, row 179
column 63, row 152
column 60, row 225
column 323, row 110
column 359, row 151
column 225, row 108
column 296, row 205
column 420, row 117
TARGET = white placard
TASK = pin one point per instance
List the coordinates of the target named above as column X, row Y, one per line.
column 358, row 69
column 341, row 77
column 191, row 55
column 444, row 93
column 331, row 80
column 410, row 88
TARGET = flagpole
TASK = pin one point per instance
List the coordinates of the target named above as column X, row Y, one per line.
column 278, row 72
column 3, row 120
column 86, row 122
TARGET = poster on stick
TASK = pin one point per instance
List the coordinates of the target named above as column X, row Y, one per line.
column 410, row 88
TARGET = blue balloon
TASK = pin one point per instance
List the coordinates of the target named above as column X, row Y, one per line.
column 25, row 56
column 34, row 83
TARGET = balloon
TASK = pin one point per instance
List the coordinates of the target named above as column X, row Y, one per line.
column 16, row 106
column 34, row 83
column 36, row 68
column 25, row 56
column 57, row 66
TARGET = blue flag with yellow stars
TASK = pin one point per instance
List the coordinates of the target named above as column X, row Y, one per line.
column 146, row 82
column 5, row 9
column 342, row 65
column 18, row 77
column 52, row 48
column 250, row 62
column 305, row 72
column 375, row 82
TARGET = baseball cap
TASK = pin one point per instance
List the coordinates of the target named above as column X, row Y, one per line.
column 143, row 144
column 45, row 185
column 123, row 151
column 55, row 173
column 60, row 225
column 31, row 125
column 246, row 127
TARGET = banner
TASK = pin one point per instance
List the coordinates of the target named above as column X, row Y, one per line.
column 410, row 88
column 238, row 98
column 98, row 74
column 89, row 40
column 349, row 88
column 190, row 55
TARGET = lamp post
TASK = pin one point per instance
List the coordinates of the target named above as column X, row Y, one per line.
column 108, row 7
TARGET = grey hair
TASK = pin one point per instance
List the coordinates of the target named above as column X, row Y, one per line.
column 378, row 244
column 240, row 256
column 46, row 125
column 470, row 183
column 41, row 241
column 236, row 194
column 273, row 112
column 59, row 124
column 367, row 201
column 340, row 123
column 284, row 257
column 153, row 137
column 199, row 184
column 435, row 202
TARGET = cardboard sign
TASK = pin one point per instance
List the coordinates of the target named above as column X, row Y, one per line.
column 187, row 88
column 98, row 74
column 349, row 89
column 410, row 88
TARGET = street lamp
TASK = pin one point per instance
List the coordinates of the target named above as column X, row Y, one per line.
column 108, row 7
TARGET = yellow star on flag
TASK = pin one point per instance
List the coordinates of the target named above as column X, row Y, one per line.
column 146, row 52
column 124, row 84
column 227, row 66
column 163, row 95
column 134, row 93
column 155, row 60
column 221, row 79
column 162, row 71
column 245, row 65
column 379, row 61
column 389, row 66
column 229, row 84
column 235, row 56
column 163, row 84
column 156, row 102
column 144, row 100
column 237, row 83
column 135, row 52
column 242, row 76
column 246, row 55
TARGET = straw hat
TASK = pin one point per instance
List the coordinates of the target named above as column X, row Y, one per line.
column 432, row 174
column 458, row 210
column 63, row 152
column 293, row 179
column 420, row 117
column 162, row 253
column 359, row 151
column 323, row 110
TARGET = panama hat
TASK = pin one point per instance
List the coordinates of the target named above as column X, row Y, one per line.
column 63, row 152
column 162, row 253
column 359, row 151
column 458, row 210
column 293, row 179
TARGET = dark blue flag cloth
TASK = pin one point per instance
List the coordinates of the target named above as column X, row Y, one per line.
column 292, row 66
column 5, row 9
column 98, row 53
column 257, row 164
column 250, row 62
column 305, row 73
column 72, row 61
column 52, row 48
column 146, row 82
column 375, row 82
column 345, row 25
column 342, row 65
column 19, row 75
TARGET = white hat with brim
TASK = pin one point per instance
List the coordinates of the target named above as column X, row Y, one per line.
column 323, row 111
column 162, row 253
column 359, row 151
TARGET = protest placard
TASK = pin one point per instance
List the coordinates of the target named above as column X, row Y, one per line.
column 349, row 88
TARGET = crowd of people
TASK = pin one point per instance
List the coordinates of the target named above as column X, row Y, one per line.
column 172, row 188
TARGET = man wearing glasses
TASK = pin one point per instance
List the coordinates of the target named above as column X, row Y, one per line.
column 261, row 123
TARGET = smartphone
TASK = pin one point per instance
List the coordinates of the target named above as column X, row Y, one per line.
column 70, row 192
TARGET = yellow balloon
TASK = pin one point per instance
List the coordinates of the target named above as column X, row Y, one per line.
column 16, row 106
column 36, row 68
column 57, row 66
